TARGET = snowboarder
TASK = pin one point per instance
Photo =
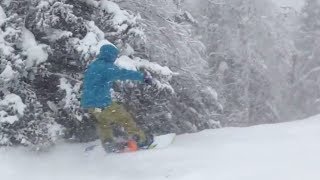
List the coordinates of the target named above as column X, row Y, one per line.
column 111, row 117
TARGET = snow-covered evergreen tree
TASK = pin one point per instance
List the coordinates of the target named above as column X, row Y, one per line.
column 247, row 45
column 304, row 93
column 47, row 45
column 23, row 120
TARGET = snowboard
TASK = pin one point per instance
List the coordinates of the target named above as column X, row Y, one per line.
column 163, row 141
column 159, row 142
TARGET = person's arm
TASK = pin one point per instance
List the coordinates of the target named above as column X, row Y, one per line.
column 87, row 82
column 129, row 75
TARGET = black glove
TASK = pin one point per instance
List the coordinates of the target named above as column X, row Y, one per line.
column 147, row 78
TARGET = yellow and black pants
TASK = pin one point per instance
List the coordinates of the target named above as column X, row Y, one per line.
column 117, row 116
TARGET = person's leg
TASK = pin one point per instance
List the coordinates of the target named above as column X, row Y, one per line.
column 104, row 130
column 126, row 120
column 116, row 116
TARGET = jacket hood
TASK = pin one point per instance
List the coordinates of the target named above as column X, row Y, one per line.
column 108, row 53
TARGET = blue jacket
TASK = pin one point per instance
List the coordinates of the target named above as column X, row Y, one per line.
column 99, row 77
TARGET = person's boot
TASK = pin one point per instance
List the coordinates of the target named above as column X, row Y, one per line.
column 132, row 146
column 147, row 142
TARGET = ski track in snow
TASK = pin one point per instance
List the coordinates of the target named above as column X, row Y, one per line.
column 288, row 151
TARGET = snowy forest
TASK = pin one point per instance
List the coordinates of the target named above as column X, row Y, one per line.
column 214, row 64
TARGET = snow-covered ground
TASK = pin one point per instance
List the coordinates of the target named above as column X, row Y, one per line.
column 288, row 151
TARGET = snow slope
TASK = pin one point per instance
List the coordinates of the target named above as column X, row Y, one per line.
column 288, row 151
